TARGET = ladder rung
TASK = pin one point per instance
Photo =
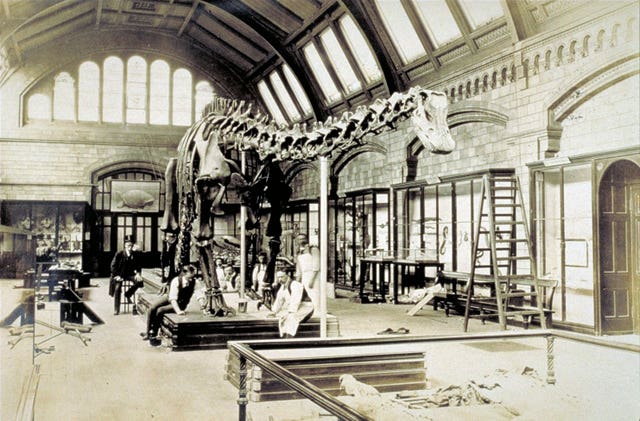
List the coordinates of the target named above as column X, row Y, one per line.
column 513, row 258
column 519, row 294
column 511, row 240
column 496, row 188
column 497, row 248
column 523, row 312
column 505, row 205
column 514, row 277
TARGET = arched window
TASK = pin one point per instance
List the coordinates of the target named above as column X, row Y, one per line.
column 39, row 107
column 64, row 99
column 136, row 90
column 159, row 93
column 204, row 96
column 88, row 91
column 112, row 90
column 182, row 97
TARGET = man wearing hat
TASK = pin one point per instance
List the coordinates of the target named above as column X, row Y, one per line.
column 125, row 265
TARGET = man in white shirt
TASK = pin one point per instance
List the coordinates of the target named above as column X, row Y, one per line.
column 176, row 301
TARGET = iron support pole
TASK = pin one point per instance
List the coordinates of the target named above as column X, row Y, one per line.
column 243, row 232
column 324, row 242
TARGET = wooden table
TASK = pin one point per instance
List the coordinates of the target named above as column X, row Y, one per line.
column 401, row 266
column 378, row 267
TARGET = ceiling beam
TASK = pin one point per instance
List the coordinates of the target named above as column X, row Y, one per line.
column 187, row 18
column 98, row 13
column 246, row 15
column 519, row 20
column 378, row 47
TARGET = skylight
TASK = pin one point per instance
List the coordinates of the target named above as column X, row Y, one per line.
column 328, row 87
column 401, row 30
column 284, row 97
column 481, row 12
column 438, row 20
column 360, row 49
column 339, row 61
column 271, row 103
column 297, row 90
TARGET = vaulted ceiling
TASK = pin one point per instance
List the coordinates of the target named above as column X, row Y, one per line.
column 234, row 42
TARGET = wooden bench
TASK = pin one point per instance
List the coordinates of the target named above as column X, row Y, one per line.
column 387, row 368
column 457, row 299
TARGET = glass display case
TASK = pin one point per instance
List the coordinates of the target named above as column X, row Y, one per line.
column 60, row 230
column 359, row 228
column 17, row 252
column 434, row 219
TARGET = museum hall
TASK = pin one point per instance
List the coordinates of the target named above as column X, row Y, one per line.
column 319, row 210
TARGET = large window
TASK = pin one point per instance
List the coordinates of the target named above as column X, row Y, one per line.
column 401, row 30
column 271, row 103
column 182, row 98
column 136, row 90
column 339, row 61
column 159, row 93
column 204, row 97
column 88, row 91
column 64, row 97
column 113, row 90
column 480, row 13
column 284, row 97
column 360, row 49
column 297, row 90
column 438, row 20
column 321, row 73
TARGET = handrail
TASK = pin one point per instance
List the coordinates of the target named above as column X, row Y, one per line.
column 308, row 390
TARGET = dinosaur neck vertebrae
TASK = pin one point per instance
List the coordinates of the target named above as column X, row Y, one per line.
column 427, row 110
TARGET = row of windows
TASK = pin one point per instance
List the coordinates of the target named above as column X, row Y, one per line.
column 348, row 82
column 132, row 92
column 436, row 19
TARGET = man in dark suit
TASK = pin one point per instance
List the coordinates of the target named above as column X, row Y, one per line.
column 125, row 265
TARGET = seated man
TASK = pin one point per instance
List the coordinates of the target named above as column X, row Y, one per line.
column 229, row 282
column 176, row 301
column 292, row 305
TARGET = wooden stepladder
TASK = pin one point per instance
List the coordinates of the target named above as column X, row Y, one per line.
column 504, row 263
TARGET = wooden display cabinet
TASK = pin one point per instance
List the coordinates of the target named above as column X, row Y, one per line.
column 61, row 230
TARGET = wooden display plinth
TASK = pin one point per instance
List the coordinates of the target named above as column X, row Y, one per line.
column 195, row 331
column 386, row 371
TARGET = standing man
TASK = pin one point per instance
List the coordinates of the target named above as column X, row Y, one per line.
column 176, row 301
column 125, row 265
column 308, row 269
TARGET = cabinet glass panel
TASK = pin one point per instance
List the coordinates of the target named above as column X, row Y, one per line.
column 430, row 223
column 382, row 222
column 463, row 232
column 578, row 239
column 445, row 245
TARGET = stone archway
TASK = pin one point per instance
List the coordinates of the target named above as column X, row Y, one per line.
column 619, row 246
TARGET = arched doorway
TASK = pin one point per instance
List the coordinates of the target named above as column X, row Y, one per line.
column 619, row 235
column 128, row 201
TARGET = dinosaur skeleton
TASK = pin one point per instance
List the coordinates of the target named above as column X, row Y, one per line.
column 197, row 179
